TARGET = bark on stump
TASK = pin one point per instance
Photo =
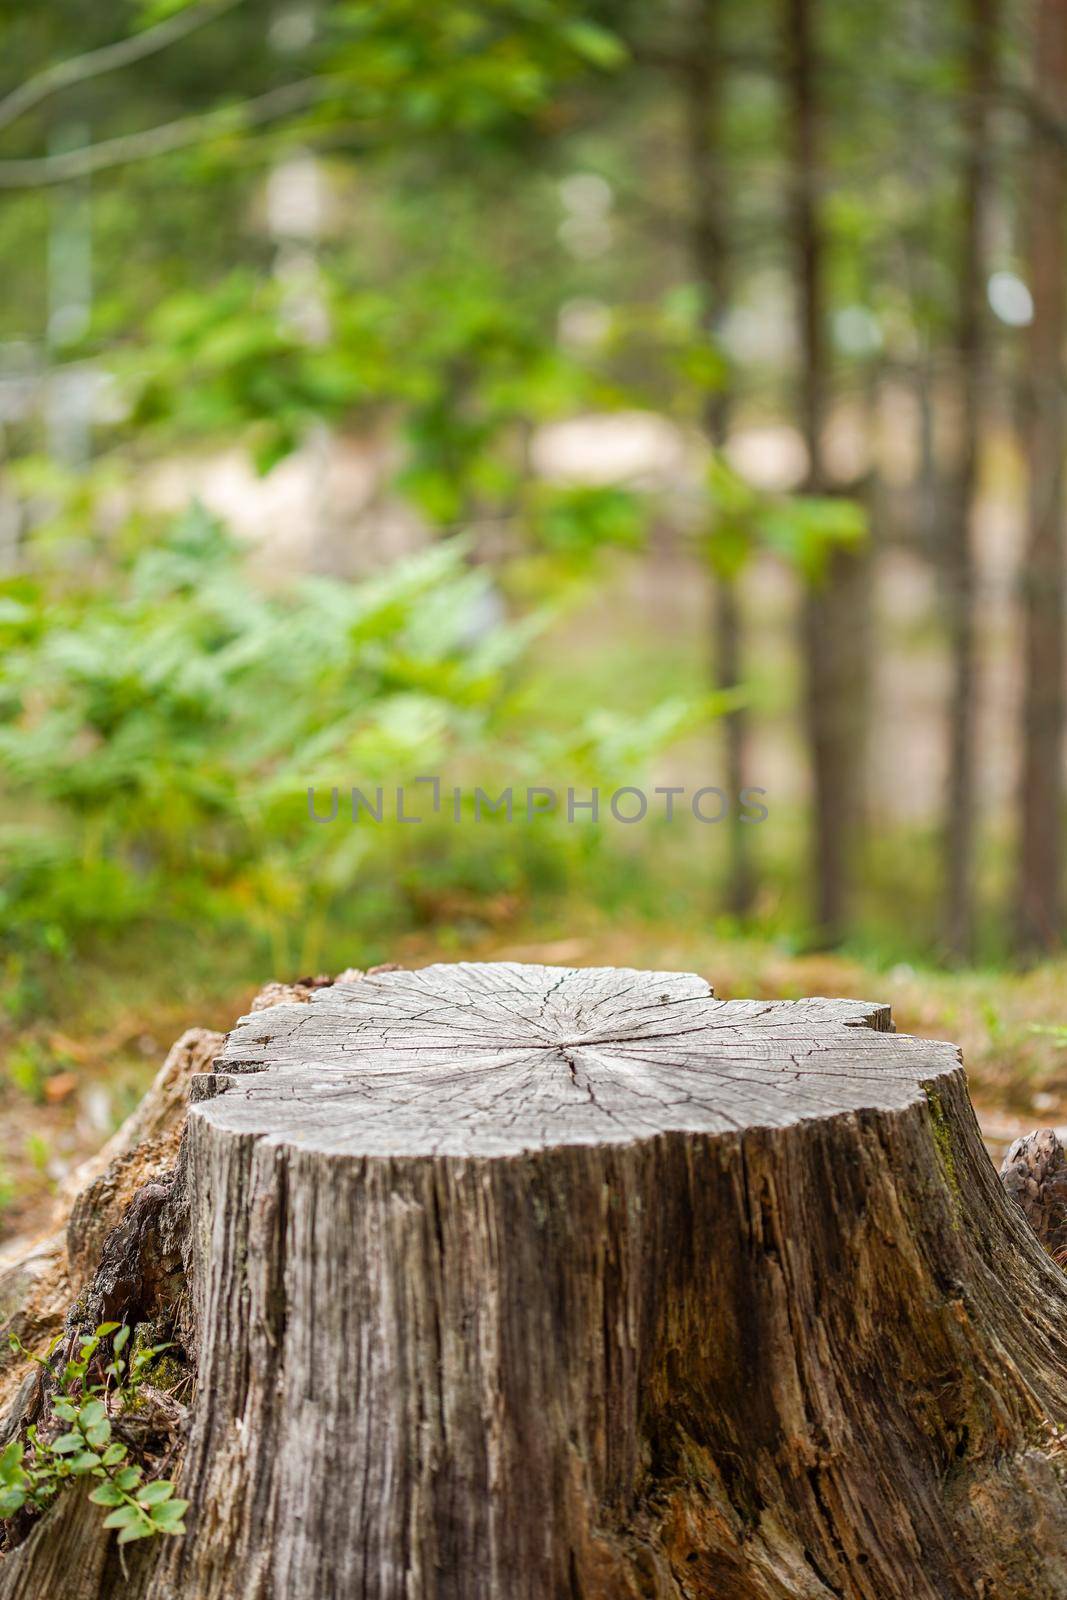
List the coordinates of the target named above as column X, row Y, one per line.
column 527, row 1283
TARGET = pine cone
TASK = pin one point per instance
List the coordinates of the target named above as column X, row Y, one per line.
column 1034, row 1173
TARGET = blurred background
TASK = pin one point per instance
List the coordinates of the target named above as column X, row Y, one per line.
column 527, row 392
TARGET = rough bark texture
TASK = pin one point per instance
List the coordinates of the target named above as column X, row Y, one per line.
column 527, row 1283
column 40, row 1277
column 1034, row 1172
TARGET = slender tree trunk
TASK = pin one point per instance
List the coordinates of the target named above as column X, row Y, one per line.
column 926, row 496
column 959, row 823
column 833, row 627
column 710, row 257
column 920, row 272
column 729, row 638
column 1039, row 894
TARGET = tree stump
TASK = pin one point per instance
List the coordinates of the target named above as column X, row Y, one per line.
column 527, row 1283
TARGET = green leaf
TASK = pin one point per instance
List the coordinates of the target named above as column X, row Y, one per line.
column 11, row 1500
column 85, row 1462
column 107, row 1495
column 128, row 1478
column 10, row 1460
column 66, row 1410
column 143, row 1357
column 105, row 1328
column 595, row 44
column 114, row 1454
column 121, row 1339
column 153, row 1494
column 91, row 1413
column 99, row 1434
column 66, row 1444
column 124, row 1517
column 168, row 1517
column 143, row 1530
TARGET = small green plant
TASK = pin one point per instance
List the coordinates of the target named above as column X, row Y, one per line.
column 994, row 1022
column 29, row 1065
column 39, row 1152
column 1056, row 1031
column 26, row 1069
column 32, row 1473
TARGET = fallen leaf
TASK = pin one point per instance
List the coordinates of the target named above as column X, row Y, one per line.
column 59, row 1086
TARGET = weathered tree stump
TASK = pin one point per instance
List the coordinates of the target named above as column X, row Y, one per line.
column 525, row 1283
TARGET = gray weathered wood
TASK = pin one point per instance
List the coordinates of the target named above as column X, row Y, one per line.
column 1034, row 1173
column 529, row 1283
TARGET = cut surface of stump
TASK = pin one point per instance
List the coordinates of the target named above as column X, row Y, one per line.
column 502, row 1059
column 531, row 1283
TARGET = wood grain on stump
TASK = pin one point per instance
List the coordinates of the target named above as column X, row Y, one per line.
column 528, row 1283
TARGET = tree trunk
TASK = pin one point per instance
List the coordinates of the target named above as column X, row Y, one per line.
column 709, row 250
column 1040, row 871
column 528, row 1283
column 729, row 641
column 959, row 824
column 833, row 634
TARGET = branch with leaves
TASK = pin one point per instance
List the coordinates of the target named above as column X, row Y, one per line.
column 109, row 58
column 39, row 171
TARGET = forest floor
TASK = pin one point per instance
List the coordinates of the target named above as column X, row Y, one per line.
column 70, row 1075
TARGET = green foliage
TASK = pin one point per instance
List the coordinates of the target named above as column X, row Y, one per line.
column 227, row 363
column 24, row 1069
column 665, row 353
column 33, row 1472
column 579, row 522
column 29, row 1064
column 1056, row 1031
column 611, row 746
column 158, row 734
column 162, row 712
column 803, row 530
column 466, row 67
column 162, row 721
column 464, row 390
column 39, row 1152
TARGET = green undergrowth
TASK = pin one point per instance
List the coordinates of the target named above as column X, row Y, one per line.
column 77, row 1440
